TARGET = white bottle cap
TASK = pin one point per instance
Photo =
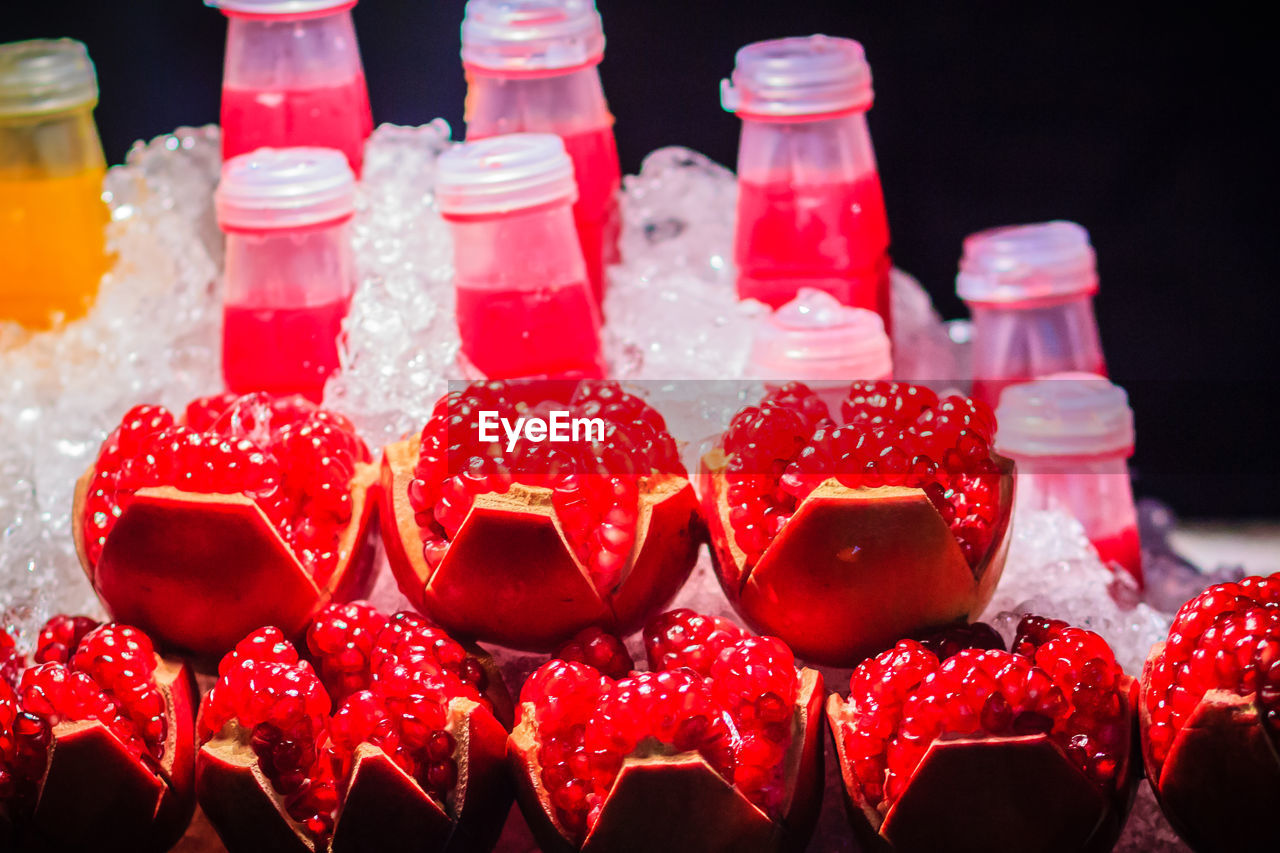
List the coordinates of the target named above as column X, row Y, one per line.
column 504, row 173
column 1065, row 414
column 816, row 337
column 816, row 75
column 45, row 76
column 1027, row 262
column 284, row 8
column 277, row 188
column 531, row 35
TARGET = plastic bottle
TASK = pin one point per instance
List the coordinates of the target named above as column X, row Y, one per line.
column 289, row 267
column 816, row 340
column 1030, row 290
column 52, row 216
column 810, row 209
column 526, row 312
column 532, row 67
column 293, row 77
column 1070, row 436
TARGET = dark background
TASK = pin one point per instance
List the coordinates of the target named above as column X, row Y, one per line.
column 1153, row 130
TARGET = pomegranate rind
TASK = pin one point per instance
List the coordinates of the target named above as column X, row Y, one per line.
column 662, row 801
column 1221, row 779
column 854, row 570
column 96, row 795
column 198, row 572
column 988, row 794
column 509, row 575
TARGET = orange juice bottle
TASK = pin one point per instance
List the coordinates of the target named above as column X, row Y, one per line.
column 52, row 251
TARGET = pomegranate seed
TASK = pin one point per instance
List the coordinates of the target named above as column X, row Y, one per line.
column 685, row 638
column 599, row 650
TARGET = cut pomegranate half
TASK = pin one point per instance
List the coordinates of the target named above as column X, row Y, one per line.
column 672, row 759
column 410, row 744
column 978, row 748
column 252, row 511
column 1210, row 717
column 97, row 743
column 843, row 539
column 527, row 545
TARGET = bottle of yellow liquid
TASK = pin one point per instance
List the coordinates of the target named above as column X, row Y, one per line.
column 52, row 217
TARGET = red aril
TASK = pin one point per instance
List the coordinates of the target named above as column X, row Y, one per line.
column 246, row 511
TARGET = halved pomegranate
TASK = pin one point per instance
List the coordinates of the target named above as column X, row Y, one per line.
column 526, row 545
column 950, row 744
column 405, row 745
column 252, row 511
column 97, row 742
column 725, row 757
column 843, row 539
column 1210, row 716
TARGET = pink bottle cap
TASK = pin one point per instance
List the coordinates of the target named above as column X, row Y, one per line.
column 45, row 76
column 279, row 7
column 1027, row 262
column 277, row 188
column 531, row 35
column 504, row 173
column 808, row 76
column 1065, row 414
column 816, row 337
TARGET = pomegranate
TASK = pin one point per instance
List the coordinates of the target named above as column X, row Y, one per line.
column 393, row 734
column 250, row 511
column 954, row 743
column 526, row 543
column 97, row 744
column 841, row 539
column 673, row 758
column 1210, row 717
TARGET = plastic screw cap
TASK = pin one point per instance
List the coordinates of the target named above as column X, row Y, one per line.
column 816, row 337
column 504, row 173
column 531, row 35
column 279, row 7
column 814, row 75
column 45, row 76
column 1027, row 262
column 1065, row 414
column 276, row 188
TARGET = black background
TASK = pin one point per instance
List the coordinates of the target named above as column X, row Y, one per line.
column 1150, row 128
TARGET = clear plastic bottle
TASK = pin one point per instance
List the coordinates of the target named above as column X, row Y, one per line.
column 527, row 312
column 819, row 341
column 289, row 267
column 1030, row 290
column 52, row 216
column 532, row 67
column 293, row 77
column 810, row 208
column 1070, row 435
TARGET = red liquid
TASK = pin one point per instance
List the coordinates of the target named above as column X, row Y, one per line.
column 283, row 350
column 508, row 334
column 328, row 117
column 595, row 166
column 1122, row 549
column 832, row 236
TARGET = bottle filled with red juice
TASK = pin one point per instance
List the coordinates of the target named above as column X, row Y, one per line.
column 289, row 267
column 1070, row 436
column 293, row 77
column 532, row 67
column 810, row 209
column 524, row 306
column 1030, row 291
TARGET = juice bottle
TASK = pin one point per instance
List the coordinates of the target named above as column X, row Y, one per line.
column 1070, row 435
column 289, row 267
column 821, row 342
column 810, row 209
column 293, row 77
column 1030, row 290
column 532, row 68
column 52, row 216
column 525, row 307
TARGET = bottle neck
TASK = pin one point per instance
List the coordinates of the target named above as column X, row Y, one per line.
column 285, row 268
column 291, row 52
column 567, row 102
column 550, row 254
column 50, row 146
column 806, row 149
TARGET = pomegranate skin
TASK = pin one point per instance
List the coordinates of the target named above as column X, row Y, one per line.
column 663, row 801
column 976, row 794
column 854, row 570
column 199, row 571
column 509, row 575
column 1221, row 777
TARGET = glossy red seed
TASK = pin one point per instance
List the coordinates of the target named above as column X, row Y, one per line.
column 683, row 637
column 599, row 650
